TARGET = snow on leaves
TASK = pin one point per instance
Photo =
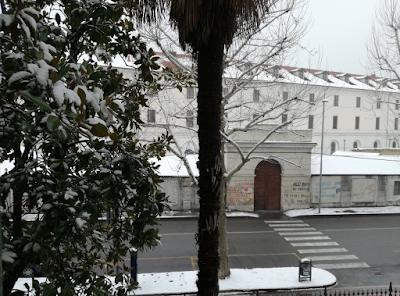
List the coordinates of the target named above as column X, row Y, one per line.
column 68, row 123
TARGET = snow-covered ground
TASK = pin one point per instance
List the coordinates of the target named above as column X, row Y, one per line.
column 343, row 211
column 170, row 283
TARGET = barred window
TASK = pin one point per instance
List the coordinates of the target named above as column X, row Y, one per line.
column 190, row 93
column 310, row 121
column 151, row 116
column 189, row 118
column 396, row 188
column 358, row 102
column 335, row 122
column 256, row 95
column 336, row 100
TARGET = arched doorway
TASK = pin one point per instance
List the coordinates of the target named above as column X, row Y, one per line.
column 267, row 186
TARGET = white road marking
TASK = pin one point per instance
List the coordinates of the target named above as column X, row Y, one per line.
column 317, row 244
column 284, row 221
column 289, row 225
column 301, row 233
column 329, row 250
column 342, row 265
column 334, row 257
column 294, row 229
column 300, row 238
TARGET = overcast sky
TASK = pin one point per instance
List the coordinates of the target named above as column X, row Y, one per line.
column 339, row 31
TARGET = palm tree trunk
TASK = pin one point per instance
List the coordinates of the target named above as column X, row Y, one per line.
column 210, row 57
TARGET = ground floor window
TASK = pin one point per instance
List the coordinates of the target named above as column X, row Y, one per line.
column 396, row 188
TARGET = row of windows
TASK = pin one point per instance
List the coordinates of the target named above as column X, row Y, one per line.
column 336, row 118
column 151, row 117
column 285, row 95
column 356, row 145
column 357, row 123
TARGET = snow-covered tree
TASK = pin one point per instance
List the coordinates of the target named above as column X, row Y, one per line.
column 68, row 123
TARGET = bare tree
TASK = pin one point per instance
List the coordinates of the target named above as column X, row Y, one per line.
column 384, row 45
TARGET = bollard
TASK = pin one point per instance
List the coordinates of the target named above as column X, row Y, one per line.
column 133, row 252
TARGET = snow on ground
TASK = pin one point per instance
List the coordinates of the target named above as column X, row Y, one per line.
column 240, row 280
column 343, row 211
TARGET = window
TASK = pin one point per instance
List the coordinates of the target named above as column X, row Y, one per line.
column 301, row 74
column 397, row 104
column 225, row 91
column 189, row 118
column 275, row 72
column 333, row 147
column 310, row 121
column 190, row 93
column 378, row 104
column 312, row 98
column 336, row 100
column 335, row 122
column 256, row 95
column 396, row 188
column 355, row 145
column 347, row 79
column 151, row 116
column 285, row 95
column 394, row 145
column 358, row 102
column 357, row 122
column 325, row 76
column 284, row 118
column 377, row 121
column 396, row 123
column 376, row 144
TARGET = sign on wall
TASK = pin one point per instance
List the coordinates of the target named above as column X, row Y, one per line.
column 330, row 189
column 241, row 194
column 363, row 190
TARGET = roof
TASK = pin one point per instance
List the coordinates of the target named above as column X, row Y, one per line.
column 172, row 166
column 356, row 163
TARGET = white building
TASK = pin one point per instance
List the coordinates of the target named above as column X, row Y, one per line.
column 283, row 108
column 361, row 111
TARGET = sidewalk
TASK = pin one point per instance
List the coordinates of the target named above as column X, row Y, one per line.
column 296, row 213
column 241, row 280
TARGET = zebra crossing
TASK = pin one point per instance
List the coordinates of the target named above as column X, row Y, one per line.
column 314, row 245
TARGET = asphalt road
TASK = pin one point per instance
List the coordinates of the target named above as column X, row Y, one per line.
column 361, row 251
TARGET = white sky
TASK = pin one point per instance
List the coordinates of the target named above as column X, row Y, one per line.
column 339, row 31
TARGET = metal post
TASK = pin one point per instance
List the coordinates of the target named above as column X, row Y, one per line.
column 133, row 252
column 322, row 150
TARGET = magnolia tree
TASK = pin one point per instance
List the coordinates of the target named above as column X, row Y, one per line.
column 252, row 92
column 68, row 123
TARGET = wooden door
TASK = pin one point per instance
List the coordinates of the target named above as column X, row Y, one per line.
column 267, row 187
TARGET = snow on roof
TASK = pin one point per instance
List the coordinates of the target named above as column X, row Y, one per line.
column 356, row 163
column 172, row 166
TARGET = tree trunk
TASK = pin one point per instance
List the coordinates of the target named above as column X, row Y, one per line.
column 210, row 57
column 224, row 269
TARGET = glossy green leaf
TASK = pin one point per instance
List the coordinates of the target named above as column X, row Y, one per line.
column 36, row 100
column 53, row 123
column 99, row 130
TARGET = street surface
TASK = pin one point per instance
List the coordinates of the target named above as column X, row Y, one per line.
column 361, row 251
